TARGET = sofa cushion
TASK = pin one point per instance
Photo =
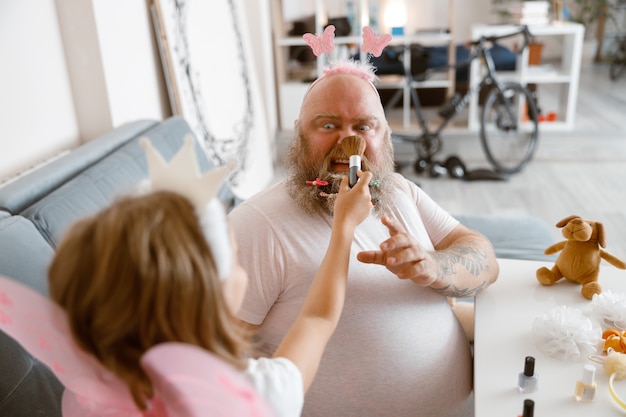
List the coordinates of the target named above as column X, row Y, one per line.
column 27, row 387
column 513, row 237
column 24, row 254
column 88, row 192
column 19, row 194
column 113, row 176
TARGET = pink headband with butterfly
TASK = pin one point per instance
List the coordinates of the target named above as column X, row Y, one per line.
column 372, row 44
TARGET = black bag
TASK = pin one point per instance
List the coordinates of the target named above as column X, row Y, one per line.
column 390, row 61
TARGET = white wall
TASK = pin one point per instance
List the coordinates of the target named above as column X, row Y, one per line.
column 74, row 69
column 130, row 60
column 36, row 105
column 260, row 26
column 79, row 68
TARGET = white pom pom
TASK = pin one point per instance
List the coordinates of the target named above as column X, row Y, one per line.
column 609, row 309
column 565, row 333
column 615, row 363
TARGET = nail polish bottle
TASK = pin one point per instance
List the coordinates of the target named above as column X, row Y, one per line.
column 586, row 387
column 527, row 381
column 529, row 408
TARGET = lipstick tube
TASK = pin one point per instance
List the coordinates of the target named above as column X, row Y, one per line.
column 355, row 165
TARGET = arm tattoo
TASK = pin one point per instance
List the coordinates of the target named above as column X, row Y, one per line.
column 454, row 291
column 467, row 257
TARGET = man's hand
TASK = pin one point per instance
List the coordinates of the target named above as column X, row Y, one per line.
column 402, row 255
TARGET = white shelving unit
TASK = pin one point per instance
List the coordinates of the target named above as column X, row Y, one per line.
column 442, row 80
column 291, row 90
column 556, row 81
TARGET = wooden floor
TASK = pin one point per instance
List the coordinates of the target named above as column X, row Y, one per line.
column 579, row 172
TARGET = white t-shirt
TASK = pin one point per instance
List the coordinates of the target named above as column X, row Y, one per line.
column 279, row 381
column 398, row 349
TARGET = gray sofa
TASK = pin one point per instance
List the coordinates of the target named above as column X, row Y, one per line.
column 36, row 209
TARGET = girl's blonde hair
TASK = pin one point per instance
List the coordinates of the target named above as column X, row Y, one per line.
column 141, row 273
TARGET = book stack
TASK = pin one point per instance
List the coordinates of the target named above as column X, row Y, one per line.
column 529, row 12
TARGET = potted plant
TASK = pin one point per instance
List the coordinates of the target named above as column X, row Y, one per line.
column 589, row 12
column 593, row 14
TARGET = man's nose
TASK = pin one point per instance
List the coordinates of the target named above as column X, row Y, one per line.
column 352, row 145
column 347, row 133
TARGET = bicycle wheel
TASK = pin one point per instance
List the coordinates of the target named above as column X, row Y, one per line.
column 618, row 62
column 509, row 127
column 427, row 145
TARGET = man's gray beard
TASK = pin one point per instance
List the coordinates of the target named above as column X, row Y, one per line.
column 308, row 196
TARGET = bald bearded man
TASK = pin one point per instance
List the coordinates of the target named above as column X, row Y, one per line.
column 398, row 349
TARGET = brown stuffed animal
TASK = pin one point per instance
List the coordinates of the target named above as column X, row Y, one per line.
column 581, row 253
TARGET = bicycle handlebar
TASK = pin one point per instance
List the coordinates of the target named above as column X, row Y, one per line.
column 522, row 31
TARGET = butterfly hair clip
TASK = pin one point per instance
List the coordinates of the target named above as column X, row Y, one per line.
column 323, row 43
column 372, row 45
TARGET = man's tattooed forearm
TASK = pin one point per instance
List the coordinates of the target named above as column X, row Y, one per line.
column 453, row 291
column 473, row 260
column 470, row 258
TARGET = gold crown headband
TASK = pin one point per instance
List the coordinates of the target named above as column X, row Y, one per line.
column 182, row 176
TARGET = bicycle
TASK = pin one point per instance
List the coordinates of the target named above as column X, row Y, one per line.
column 617, row 63
column 509, row 123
